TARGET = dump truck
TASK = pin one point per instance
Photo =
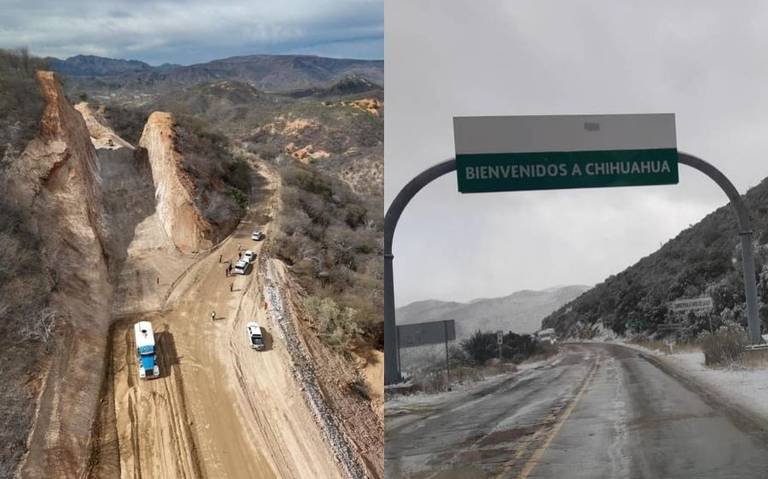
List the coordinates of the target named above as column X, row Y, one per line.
column 145, row 350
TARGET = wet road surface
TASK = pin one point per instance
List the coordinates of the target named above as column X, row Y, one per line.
column 595, row 411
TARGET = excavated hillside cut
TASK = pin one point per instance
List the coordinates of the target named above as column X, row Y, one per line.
column 56, row 180
column 174, row 189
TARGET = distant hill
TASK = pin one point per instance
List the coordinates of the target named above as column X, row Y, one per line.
column 349, row 85
column 704, row 259
column 91, row 65
column 265, row 72
column 521, row 311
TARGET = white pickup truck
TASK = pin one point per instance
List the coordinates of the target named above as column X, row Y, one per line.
column 242, row 267
column 255, row 336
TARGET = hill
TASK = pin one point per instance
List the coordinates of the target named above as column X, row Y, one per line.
column 275, row 73
column 521, row 311
column 91, row 65
column 704, row 259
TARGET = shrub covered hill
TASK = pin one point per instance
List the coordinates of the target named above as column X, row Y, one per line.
column 704, row 259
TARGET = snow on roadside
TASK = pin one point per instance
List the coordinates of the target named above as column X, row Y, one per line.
column 404, row 404
column 743, row 387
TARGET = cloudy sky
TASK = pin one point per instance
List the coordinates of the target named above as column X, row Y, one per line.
column 705, row 63
column 192, row 31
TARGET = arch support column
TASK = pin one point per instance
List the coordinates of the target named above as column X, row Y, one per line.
column 745, row 234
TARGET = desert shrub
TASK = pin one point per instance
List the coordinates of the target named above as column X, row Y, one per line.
column 266, row 151
column 222, row 178
column 26, row 326
column 332, row 239
column 128, row 123
column 25, row 284
column 359, row 387
column 336, row 324
column 725, row 346
column 430, row 381
column 21, row 104
column 483, row 346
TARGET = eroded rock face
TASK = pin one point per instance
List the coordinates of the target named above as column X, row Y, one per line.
column 56, row 179
column 174, row 188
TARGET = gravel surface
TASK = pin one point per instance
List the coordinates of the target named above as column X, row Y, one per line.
column 305, row 374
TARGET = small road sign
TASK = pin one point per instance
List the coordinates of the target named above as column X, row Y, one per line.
column 513, row 153
column 697, row 306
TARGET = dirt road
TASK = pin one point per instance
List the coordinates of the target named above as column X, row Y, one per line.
column 219, row 409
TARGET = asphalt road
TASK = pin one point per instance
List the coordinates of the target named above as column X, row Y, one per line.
column 596, row 411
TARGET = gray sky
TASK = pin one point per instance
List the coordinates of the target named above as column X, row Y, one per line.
column 193, row 31
column 448, row 58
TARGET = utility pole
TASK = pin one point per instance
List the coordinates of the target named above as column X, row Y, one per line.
column 499, row 341
column 447, row 357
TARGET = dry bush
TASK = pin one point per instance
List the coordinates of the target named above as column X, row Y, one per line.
column 430, row 382
column 466, row 374
column 40, row 327
column 726, row 346
column 336, row 324
column 332, row 239
column 21, row 104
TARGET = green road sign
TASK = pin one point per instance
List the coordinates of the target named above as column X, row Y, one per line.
column 558, row 152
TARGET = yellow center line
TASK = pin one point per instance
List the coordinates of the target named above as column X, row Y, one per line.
column 539, row 453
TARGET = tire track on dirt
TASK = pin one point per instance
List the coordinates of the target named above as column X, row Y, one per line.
column 154, row 414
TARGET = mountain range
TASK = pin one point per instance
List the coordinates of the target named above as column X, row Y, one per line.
column 265, row 72
column 520, row 312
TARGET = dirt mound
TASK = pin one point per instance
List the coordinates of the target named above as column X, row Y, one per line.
column 174, row 188
column 374, row 106
column 305, row 154
column 56, row 179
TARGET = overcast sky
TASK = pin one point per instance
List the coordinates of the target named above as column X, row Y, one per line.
column 193, row 31
column 703, row 61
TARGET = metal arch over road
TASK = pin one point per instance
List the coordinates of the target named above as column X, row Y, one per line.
column 391, row 364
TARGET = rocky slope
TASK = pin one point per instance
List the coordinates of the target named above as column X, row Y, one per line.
column 174, row 189
column 56, row 180
column 520, row 312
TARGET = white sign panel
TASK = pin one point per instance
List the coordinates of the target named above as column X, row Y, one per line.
column 562, row 133
column 694, row 305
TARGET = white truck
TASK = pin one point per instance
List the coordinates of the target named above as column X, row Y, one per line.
column 547, row 336
column 242, row 266
column 145, row 350
column 255, row 336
